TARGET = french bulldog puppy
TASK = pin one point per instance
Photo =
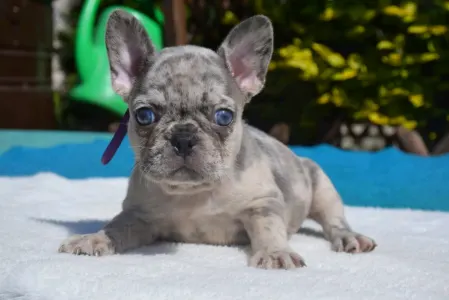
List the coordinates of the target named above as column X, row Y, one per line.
column 201, row 175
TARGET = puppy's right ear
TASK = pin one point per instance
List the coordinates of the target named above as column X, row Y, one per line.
column 129, row 49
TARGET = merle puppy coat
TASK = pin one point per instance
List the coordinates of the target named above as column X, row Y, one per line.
column 201, row 175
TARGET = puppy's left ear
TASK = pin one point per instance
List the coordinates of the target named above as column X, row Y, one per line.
column 247, row 51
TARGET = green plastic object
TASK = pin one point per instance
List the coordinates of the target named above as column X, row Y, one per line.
column 91, row 54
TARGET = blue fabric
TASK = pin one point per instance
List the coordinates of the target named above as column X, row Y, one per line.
column 387, row 178
column 46, row 138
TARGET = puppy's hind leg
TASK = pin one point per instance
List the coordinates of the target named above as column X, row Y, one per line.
column 327, row 209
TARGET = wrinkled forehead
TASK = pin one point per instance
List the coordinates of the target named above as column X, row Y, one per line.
column 186, row 75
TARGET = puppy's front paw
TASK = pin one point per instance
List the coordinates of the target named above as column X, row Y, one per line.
column 352, row 242
column 96, row 244
column 276, row 259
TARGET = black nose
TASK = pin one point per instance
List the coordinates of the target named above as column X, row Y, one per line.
column 183, row 139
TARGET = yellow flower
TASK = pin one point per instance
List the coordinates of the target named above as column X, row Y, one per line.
column 385, row 45
column 338, row 101
column 328, row 14
column 288, row 50
column 409, row 12
column 399, row 92
column 410, row 124
column 398, row 120
column 417, row 29
column 345, row 74
column 333, row 58
column 336, row 60
column 393, row 10
column 377, row 118
column 337, row 96
column 416, row 99
column 394, row 59
column 355, row 61
column 230, row 18
column 438, row 30
column 410, row 8
column 323, row 99
column 309, row 67
column 425, row 57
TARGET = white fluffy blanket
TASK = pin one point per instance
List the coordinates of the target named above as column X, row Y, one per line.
column 38, row 212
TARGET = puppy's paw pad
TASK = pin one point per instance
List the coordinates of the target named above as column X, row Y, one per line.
column 277, row 259
column 352, row 242
column 96, row 244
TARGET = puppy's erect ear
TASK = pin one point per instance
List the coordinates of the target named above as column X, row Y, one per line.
column 129, row 49
column 247, row 51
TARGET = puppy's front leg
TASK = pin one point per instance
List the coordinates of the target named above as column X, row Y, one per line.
column 128, row 230
column 265, row 226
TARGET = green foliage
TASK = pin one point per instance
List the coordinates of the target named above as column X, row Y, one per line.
column 385, row 61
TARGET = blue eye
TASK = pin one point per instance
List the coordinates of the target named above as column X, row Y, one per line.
column 223, row 117
column 145, row 116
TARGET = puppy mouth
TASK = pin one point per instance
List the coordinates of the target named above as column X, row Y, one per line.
column 185, row 173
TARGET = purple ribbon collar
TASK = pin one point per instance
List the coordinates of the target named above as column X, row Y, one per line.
column 116, row 140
